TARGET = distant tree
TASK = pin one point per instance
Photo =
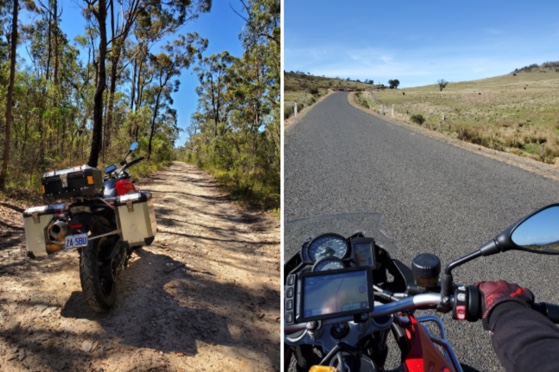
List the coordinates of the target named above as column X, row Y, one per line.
column 393, row 84
column 442, row 84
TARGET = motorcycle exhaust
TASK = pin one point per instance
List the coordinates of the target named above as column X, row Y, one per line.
column 58, row 230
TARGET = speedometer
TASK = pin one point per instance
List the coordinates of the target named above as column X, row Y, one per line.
column 327, row 245
column 328, row 263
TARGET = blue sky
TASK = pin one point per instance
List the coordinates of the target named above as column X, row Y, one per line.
column 221, row 27
column 418, row 42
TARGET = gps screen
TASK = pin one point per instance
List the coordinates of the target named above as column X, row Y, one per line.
column 338, row 293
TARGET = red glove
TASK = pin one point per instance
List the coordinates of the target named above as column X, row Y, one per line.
column 495, row 293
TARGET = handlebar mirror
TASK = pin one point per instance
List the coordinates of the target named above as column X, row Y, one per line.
column 134, row 146
column 539, row 232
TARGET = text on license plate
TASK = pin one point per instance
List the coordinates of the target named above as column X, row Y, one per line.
column 76, row 241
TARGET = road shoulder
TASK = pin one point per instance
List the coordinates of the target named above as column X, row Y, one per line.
column 542, row 169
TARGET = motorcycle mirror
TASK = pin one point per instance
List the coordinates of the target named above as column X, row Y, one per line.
column 539, row 232
column 536, row 233
column 133, row 147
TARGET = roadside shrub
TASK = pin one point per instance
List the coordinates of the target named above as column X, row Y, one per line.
column 288, row 111
column 473, row 136
column 314, row 91
column 418, row 119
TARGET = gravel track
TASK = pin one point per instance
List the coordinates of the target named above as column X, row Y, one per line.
column 204, row 296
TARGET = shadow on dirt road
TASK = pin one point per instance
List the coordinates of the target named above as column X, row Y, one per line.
column 204, row 296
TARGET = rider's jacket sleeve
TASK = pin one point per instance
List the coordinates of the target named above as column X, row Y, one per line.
column 524, row 339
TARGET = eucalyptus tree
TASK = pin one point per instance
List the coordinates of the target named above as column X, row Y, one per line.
column 166, row 67
column 158, row 17
column 214, row 81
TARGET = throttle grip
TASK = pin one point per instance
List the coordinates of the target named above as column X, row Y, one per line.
column 467, row 303
column 549, row 310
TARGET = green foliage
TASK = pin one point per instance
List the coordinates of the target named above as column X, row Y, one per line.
column 54, row 89
column 236, row 132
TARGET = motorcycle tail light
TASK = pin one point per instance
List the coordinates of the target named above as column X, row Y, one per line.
column 76, row 226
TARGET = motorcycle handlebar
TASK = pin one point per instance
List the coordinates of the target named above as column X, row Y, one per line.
column 135, row 161
column 416, row 302
column 409, row 303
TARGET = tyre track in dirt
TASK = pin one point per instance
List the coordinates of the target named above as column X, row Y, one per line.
column 205, row 296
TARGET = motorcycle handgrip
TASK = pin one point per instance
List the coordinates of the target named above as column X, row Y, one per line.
column 549, row 310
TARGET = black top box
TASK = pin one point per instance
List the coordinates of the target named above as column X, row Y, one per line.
column 78, row 182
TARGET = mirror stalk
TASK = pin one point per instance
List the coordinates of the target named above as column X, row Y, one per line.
column 447, row 281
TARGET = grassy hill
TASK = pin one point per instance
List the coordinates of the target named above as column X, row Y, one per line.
column 306, row 89
column 517, row 112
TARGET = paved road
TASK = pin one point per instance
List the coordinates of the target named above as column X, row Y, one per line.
column 435, row 198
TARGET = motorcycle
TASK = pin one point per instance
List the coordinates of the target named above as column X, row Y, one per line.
column 104, row 218
column 344, row 294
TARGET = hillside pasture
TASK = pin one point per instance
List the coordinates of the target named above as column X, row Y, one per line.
column 517, row 113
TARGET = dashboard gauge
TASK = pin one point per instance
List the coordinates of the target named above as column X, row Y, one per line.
column 328, row 263
column 327, row 245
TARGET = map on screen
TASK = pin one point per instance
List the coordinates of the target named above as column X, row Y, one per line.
column 335, row 293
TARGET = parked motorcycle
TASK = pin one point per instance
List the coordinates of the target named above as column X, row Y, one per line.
column 345, row 294
column 104, row 218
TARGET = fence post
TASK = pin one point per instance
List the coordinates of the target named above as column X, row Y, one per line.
column 392, row 110
column 295, row 109
column 383, row 109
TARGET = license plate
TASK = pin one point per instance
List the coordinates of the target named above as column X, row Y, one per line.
column 76, row 241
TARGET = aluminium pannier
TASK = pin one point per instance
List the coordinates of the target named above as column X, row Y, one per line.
column 35, row 222
column 136, row 218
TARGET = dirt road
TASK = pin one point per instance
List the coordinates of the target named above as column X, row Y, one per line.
column 205, row 296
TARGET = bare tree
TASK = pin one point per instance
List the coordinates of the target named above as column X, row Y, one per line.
column 442, row 84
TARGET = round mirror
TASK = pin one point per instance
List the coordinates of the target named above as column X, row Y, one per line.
column 134, row 146
column 539, row 232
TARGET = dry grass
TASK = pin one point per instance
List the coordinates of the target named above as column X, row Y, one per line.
column 518, row 114
column 307, row 89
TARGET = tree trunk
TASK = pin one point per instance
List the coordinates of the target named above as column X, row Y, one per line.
column 97, row 135
column 115, row 56
column 10, row 98
column 154, row 117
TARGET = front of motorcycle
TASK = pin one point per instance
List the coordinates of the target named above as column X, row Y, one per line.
column 104, row 218
column 346, row 293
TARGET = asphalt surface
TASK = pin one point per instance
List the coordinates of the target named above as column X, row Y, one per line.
column 434, row 197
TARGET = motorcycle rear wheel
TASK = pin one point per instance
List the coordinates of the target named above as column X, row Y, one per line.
column 96, row 277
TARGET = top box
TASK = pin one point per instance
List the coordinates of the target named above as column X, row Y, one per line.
column 72, row 183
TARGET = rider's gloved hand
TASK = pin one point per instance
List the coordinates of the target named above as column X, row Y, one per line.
column 508, row 294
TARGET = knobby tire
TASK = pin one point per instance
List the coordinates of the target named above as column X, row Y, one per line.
column 98, row 286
